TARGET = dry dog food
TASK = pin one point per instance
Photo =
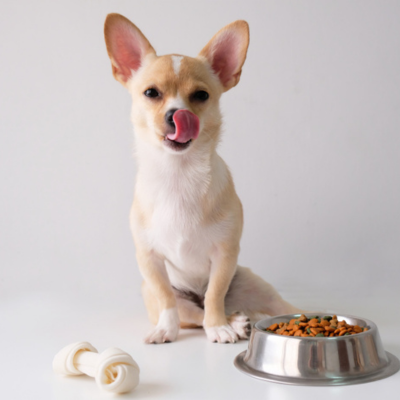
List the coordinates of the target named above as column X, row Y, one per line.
column 327, row 326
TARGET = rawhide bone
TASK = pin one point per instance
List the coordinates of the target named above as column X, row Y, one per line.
column 113, row 369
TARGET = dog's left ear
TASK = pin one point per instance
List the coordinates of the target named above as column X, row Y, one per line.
column 226, row 52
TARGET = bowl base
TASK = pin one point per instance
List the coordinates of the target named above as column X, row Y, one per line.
column 390, row 369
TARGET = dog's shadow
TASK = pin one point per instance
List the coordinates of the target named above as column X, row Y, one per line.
column 146, row 390
column 190, row 334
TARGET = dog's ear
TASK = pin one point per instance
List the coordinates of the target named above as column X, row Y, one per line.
column 226, row 52
column 126, row 46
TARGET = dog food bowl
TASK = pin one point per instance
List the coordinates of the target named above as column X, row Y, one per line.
column 316, row 361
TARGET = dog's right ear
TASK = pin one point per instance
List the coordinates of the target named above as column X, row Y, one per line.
column 226, row 52
column 126, row 46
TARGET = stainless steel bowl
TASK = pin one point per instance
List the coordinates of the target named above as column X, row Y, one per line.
column 316, row 361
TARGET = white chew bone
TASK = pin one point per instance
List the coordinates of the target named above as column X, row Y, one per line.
column 114, row 370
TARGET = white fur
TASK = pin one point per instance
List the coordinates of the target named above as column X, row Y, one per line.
column 176, row 64
column 240, row 323
column 238, row 328
column 170, row 187
column 167, row 328
column 176, row 103
column 174, row 185
column 178, row 244
column 221, row 334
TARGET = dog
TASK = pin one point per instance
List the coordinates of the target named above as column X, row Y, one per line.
column 186, row 218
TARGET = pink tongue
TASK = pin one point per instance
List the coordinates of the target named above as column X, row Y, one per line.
column 187, row 126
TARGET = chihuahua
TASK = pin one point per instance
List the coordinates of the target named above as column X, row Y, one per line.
column 186, row 218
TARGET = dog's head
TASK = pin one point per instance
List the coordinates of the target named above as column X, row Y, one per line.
column 175, row 98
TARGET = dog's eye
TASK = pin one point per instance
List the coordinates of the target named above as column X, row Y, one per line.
column 200, row 95
column 151, row 93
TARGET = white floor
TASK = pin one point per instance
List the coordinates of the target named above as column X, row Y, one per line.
column 34, row 327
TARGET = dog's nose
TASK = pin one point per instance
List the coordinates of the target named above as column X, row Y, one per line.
column 169, row 117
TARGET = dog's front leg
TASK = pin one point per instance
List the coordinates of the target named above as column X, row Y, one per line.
column 223, row 268
column 153, row 270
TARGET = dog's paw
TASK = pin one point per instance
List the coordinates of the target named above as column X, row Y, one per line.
column 161, row 335
column 240, row 323
column 221, row 334
column 167, row 328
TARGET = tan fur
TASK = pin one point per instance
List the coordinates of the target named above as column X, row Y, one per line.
column 194, row 75
column 185, row 208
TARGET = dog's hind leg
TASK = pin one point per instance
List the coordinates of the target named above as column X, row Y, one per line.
column 190, row 315
column 190, row 308
column 251, row 295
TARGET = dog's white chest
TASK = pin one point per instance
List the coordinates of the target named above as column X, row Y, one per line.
column 177, row 233
column 177, row 229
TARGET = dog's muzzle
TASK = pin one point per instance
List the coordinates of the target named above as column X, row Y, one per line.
column 187, row 125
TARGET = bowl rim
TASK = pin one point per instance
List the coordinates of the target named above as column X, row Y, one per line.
column 371, row 325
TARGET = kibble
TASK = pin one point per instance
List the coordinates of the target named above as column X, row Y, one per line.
column 327, row 326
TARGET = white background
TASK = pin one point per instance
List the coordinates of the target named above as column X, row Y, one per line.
column 311, row 135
